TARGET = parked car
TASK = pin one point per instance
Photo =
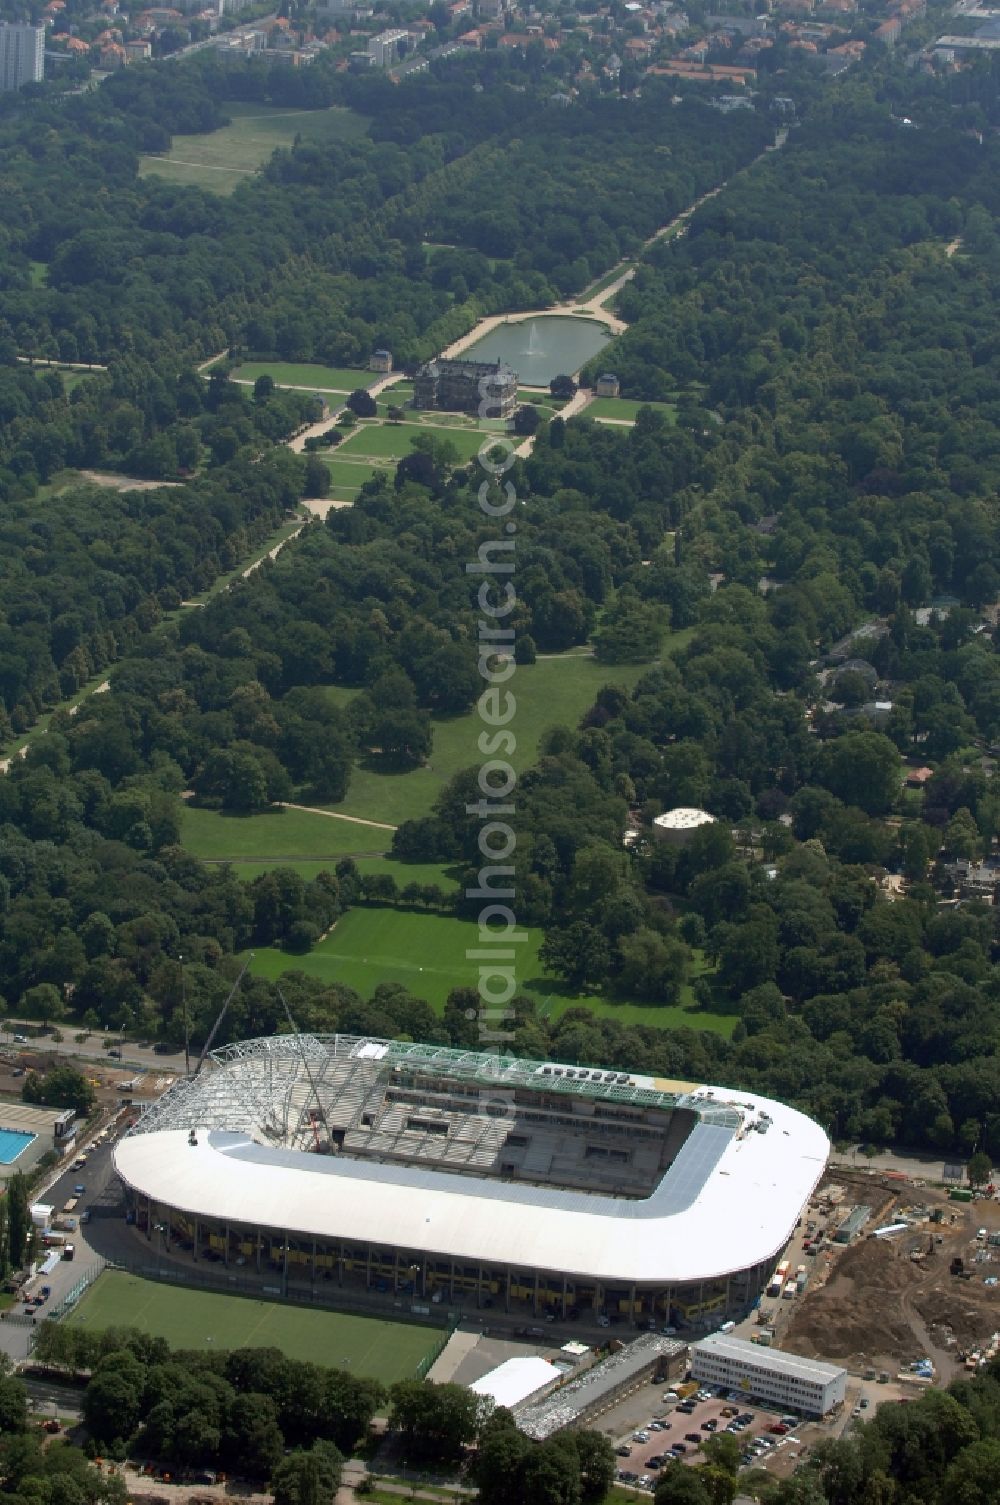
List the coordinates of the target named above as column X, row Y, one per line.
column 79, row 1189
column 624, row 1451
column 692, row 1437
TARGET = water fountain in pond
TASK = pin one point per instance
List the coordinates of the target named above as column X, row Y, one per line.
column 534, row 346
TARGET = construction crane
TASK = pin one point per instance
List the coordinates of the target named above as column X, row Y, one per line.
column 317, row 1114
column 221, row 1015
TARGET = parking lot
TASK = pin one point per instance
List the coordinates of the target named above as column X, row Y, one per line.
column 677, row 1427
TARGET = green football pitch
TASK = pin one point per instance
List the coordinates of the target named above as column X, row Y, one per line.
column 386, row 1351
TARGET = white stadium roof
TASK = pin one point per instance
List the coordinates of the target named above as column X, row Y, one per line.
column 728, row 1201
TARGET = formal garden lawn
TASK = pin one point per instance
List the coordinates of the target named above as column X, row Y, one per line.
column 624, row 409
column 338, row 379
column 552, row 692
column 426, row 953
column 350, row 475
column 386, row 1351
column 391, row 441
column 220, row 160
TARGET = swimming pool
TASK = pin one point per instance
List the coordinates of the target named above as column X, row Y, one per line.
column 13, row 1142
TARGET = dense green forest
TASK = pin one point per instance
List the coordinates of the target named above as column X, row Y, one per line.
column 833, row 360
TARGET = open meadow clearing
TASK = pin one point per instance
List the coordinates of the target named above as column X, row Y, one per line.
column 278, row 835
column 386, row 1351
column 551, row 692
column 338, row 379
column 220, row 160
column 426, row 954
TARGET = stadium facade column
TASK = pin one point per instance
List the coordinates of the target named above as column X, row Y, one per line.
column 535, row 1303
column 313, row 1275
column 284, row 1268
column 225, row 1257
column 194, row 1250
column 631, row 1306
column 507, row 1296
column 340, row 1262
column 368, row 1268
column 260, row 1242
column 451, row 1281
column 564, row 1299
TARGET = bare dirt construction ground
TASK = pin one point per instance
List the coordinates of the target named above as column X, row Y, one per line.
column 886, row 1302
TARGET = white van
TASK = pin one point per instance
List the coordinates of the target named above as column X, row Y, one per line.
column 671, row 1398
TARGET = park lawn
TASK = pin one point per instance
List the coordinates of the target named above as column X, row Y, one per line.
column 426, row 954
column 277, row 835
column 624, row 409
column 391, row 441
column 350, row 475
column 551, row 692
column 396, row 396
column 305, row 374
column 220, row 160
column 205, row 1320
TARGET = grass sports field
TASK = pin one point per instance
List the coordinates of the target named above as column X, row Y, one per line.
column 624, row 409
column 220, row 160
column 426, row 954
column 386, row 1351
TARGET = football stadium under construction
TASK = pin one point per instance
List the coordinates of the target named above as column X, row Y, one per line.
column 473, row 1178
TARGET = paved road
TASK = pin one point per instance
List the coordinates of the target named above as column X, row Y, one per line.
column 92, row 1049
column 102, row 1198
